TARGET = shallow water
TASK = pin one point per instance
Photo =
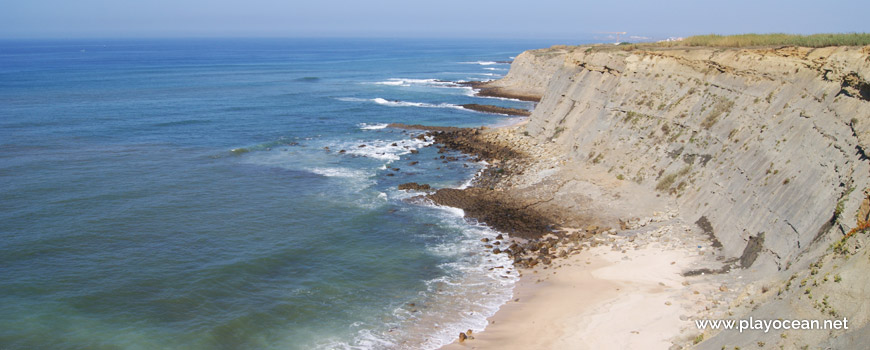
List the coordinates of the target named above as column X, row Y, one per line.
column 177, row 194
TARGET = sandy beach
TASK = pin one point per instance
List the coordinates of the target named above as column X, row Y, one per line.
column 600, row 298
column 600, row 287
column 753, row 228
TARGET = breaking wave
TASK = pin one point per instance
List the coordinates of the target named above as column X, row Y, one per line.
column 482, row 63
column 397, row 103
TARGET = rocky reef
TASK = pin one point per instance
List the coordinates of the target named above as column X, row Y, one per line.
column 497, row 109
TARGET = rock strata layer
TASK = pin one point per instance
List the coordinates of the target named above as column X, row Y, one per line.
column 763, row 150
column 752, row 141
column 497, row 109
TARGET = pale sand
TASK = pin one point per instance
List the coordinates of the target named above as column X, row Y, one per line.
column 597, row 299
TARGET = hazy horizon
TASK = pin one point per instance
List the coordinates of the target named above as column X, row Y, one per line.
column 545, row 19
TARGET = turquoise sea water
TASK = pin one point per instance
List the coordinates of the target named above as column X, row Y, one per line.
column 177, row 194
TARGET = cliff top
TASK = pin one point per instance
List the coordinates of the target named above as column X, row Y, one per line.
column 744, row 41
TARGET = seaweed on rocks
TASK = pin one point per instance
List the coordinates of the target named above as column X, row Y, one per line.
column 494, row 208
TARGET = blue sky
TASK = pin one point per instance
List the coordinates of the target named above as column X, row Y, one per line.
column 432, row 18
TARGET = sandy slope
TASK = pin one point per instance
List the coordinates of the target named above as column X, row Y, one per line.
column 607, row 300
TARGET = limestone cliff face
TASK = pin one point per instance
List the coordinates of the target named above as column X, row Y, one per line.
column 757, row 147
column 531, row 72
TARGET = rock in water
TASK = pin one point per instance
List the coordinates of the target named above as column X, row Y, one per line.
column 497, row 109
column 462, row 337
column 415, row 186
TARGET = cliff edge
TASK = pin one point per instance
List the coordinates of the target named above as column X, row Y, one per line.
column 762, row 150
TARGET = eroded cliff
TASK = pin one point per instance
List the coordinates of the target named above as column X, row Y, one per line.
column 763, row 150
column 757, row 146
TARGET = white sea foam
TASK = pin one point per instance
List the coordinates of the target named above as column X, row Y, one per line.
column 396, row 103
column 391, row 82
column 482, row 63
column 470, row 181
column 385, row 102
column 474, row 93
column 493, row 68
column 366, row 126
column 382, row 149
column 419, row 82
column 351, row 99
column 474, row 285
column 479, row 289
column 340, row 172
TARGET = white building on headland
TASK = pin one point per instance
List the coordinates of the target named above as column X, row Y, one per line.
column 673, row 38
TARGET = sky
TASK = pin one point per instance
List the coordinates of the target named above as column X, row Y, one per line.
column 532, row 19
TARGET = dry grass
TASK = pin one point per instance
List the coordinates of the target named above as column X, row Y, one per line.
column 666, row 182
column 723, row 106
column 747, row 40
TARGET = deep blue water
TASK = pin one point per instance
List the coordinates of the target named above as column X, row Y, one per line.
column 177, row 194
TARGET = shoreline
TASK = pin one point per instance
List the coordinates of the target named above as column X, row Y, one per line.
column 598, row 274
column 597, row 287
column 612, row 145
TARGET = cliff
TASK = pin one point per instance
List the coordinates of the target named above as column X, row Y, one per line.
column 753, row 144
column 763, row 150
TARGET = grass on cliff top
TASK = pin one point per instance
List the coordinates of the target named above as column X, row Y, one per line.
column 750, row 40
column 745, row 40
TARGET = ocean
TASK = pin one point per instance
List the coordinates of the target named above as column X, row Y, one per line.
column 191, row 194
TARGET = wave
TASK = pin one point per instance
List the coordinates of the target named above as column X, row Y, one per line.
column 396, row 103
column 493, row 68
column 474, row 286
column 366, row 126
column 499, row 98
column 419, row 82
column 383, row 149
column 340, row 172
column 470, row 181
column 352, row 99
column 433, row 83
column 482, row 63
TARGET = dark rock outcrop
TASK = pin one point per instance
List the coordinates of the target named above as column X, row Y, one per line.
column 415, row 186
column 495, row 210
column 497, row 109
column 490, row 91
